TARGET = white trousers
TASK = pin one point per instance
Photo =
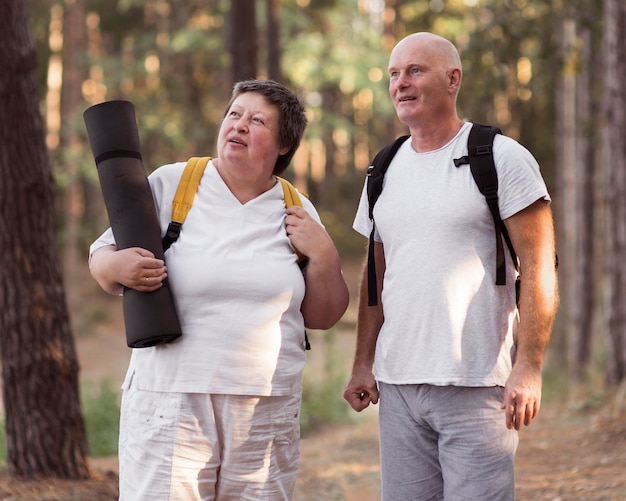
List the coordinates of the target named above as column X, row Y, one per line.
column 192, row 447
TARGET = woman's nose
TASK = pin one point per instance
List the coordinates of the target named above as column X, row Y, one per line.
column 241, row 125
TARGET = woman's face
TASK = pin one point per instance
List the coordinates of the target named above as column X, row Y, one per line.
column 248, row 141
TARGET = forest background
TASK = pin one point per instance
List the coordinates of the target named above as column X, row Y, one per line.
column 548, row 73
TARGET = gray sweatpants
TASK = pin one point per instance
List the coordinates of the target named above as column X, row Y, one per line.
column 445, row 443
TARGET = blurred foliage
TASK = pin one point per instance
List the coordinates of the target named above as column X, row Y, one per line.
column 171, row 59
column 101, row 412
column 323, row 384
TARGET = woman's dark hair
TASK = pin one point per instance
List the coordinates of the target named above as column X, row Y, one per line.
column 291, row 113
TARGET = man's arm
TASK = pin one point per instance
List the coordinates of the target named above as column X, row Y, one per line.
column 532, row 235
column 361, row 390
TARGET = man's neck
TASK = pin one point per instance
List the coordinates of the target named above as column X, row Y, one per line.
column 427, row 137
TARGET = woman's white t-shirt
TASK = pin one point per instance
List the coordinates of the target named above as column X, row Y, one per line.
column 237, row 289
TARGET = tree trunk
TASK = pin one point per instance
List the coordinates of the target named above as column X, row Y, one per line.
column 45, row 431
column 587, row 166
column 273, row 41
column 575, row 207
column 72, row 144
column 243, row 39
column 566, row 201
column 328, row 186
column 393, row 29
column 615, row 176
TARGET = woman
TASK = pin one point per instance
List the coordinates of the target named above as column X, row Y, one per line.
column 214, row 415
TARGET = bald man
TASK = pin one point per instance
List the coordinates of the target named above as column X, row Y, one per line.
column 455, row 364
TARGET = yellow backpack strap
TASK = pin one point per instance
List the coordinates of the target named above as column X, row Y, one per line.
column 292, row 197
column 185, row 193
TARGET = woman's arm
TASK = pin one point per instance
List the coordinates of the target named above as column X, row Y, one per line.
column 326, row 297
column 134, row 267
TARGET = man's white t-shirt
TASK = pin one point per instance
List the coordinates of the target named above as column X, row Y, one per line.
column 237, row 289
column 445, row 320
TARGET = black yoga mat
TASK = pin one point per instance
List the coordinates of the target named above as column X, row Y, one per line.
column 150, row 317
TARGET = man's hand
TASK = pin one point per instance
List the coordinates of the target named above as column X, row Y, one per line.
column 361, row 390
column 522, row 395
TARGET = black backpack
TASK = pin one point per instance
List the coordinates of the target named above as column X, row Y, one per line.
column 480, row 159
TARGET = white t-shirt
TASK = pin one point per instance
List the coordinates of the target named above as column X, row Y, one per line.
column 445, row 320
column 237, row 289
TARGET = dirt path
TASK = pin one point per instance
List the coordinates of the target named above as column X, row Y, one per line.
column 575, row 455
column 565, row 455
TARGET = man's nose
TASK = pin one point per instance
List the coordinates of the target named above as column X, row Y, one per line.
column 402, row 80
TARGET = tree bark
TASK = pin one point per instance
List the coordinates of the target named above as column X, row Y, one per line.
column 45, row 431
column 615, row 176
column 575, row 207
column 586, row 165
column 72, row 144
column 273, row 41
column 243, row 39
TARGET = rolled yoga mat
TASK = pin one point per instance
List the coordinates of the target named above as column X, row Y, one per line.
column 150, row 317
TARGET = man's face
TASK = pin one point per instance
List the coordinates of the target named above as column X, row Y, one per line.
column 418, row 82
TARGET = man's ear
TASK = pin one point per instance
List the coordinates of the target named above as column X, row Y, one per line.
column 454, row 79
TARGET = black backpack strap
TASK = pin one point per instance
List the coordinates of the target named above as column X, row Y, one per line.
column 375, row 175
column 480, row 158
column 171, row 235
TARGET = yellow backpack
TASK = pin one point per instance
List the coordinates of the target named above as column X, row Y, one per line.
column 186, row 191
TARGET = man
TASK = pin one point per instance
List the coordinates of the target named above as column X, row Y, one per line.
column 457, row 366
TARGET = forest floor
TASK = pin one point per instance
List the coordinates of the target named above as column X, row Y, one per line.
column 570, row 452
column 565, row 455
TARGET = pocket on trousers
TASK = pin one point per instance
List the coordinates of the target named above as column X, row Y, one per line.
column 151, row 413
column 288, row 424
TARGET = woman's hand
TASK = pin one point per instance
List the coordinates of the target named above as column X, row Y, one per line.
column 135, row 268
column 326, row 297
column 306, row 234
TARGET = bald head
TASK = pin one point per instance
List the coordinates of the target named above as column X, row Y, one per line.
column 424, row 80
column 440, row 48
